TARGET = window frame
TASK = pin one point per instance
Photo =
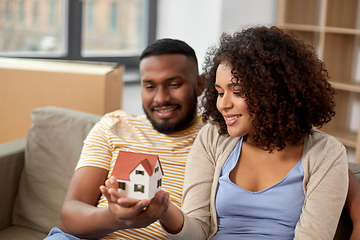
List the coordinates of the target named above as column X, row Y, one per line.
column 139, row 188
column 74, row 10
column 159, row 183
column 121, row 185
column 139, row 172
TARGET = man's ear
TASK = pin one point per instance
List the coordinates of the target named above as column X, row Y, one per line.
column 200, row 84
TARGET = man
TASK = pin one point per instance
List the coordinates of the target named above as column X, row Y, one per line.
column 170, row 87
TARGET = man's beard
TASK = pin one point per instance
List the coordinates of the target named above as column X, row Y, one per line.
column 166, row 127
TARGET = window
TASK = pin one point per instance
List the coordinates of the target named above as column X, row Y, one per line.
column 113, row 16
column 90, row 15
column 51, row 16
column 35, row 13
column 121, row 185
column 156, row 169
column 123, row 31
column 78, row 29
column 33, row 29
column 159, row 182
column 138, row 172
column 7, row 11
column 138, row 188
column 21, row 12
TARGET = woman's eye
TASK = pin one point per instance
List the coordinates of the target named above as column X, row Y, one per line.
column 239, row 94
column 220, row 94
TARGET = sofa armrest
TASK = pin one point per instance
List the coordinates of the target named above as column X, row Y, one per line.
column 12, row 157
column 355, row 168
column 345, row 227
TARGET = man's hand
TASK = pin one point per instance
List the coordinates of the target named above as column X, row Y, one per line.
column 134, row 213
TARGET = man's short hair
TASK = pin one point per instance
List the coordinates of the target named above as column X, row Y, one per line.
column 168, row 46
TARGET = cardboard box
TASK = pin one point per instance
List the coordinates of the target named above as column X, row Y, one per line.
column 26, row 84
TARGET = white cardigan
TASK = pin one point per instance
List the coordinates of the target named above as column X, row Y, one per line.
column 325, row 185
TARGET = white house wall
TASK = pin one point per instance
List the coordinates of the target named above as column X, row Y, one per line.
column 153, row 181
column 149, row 183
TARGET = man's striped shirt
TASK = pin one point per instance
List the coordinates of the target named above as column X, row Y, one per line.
column 123, row 131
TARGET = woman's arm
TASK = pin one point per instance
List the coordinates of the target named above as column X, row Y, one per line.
column 199, row 174
column 326, row 188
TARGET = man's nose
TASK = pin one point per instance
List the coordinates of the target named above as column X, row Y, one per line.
column 162, row 96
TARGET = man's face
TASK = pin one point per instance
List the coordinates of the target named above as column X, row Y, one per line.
column 169, row 91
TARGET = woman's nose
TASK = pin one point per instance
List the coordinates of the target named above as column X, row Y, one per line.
column 224, row 102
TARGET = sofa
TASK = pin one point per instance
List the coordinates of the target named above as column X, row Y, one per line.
column 35, row 173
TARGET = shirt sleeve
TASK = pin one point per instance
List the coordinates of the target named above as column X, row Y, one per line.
column 96, row 151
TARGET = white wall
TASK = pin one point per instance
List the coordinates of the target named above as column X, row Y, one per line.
column 197, row 22
column 239, row 14
column 201, row 22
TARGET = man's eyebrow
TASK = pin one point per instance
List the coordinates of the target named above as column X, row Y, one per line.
column 168, row 79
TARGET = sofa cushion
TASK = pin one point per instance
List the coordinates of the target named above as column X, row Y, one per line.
column 12, row 158
column 54, row 144
column 17, row 232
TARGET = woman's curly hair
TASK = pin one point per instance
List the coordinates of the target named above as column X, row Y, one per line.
column 283, row 82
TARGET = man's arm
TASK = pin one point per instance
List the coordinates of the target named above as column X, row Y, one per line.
column 79, row 214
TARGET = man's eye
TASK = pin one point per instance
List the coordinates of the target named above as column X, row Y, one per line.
column 149, row 86
column 174, row 85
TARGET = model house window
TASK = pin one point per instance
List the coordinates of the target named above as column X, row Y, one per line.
column 156, row 169
column 121, row 185
column 138, row 188
column 159, row 182
column 138, row 172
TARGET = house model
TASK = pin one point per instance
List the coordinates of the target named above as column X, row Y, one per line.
column 138, row 175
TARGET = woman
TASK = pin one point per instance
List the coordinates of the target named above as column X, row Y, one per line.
column 259, row 170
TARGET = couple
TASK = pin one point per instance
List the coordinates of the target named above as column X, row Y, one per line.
column 257, row 169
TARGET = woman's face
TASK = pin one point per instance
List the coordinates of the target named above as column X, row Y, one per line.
column 231, row 104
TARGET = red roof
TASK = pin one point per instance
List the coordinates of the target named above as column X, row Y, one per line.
column 126, row 162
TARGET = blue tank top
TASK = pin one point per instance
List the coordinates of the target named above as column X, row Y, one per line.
column 268, row 214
